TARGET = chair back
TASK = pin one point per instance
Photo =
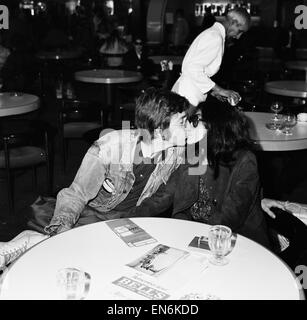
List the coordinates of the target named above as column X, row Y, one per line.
column 80, row 111
column 18, row 136
column 23, row 144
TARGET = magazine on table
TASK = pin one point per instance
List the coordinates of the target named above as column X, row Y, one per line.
column 157, row 274
column 130, row 232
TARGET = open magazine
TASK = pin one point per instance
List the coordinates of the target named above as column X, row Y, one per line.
column 159, row 274
column 158, row 260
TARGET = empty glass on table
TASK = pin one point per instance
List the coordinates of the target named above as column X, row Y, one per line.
column 276, row 121
column 289, row 121
column 219, row 244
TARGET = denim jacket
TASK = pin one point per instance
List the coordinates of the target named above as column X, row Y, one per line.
column 110, row 157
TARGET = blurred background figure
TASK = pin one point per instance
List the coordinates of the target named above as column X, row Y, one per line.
column 113, row 49
column 136, row 59
column 20, row 68
column 180, row 31
column 4, row 53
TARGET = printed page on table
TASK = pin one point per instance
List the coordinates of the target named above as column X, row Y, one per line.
column 130, row 232
column 157, row 275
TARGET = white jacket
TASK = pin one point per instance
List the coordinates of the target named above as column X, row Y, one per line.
column 201, row 62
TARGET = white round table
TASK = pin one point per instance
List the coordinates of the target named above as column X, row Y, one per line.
column 287, row 88
column 252, row 273
column 11, row 104
column 109, row 78
column 275, row 140
column 298, row 65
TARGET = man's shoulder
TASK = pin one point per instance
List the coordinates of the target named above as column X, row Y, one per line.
column 214, row 31
column 112, row 136
column 111, row 142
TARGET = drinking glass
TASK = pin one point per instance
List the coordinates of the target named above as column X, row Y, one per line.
column 289, row 123
column 73, row 284
column 219, row 244
column 276, row 107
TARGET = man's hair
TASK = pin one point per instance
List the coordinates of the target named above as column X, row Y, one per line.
column 228, row 132
column 242, row 12
column 154, row 108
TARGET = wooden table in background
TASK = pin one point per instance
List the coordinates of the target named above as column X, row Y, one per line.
column 275, row 140
column 109, row 78
column 287, row 88
column 17, row 103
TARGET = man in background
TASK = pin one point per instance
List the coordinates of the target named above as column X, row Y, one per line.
column 204, row 57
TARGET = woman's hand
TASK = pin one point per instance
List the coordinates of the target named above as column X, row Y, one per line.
column 267, row 204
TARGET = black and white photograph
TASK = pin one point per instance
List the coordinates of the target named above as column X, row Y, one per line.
column 163, row 137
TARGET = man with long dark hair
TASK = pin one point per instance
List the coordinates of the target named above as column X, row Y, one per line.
column 120, row 171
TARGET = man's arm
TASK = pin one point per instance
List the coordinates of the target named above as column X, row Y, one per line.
column 71, row 201
column 202, row 61
column 197, row 64
column 225, row 95
column 156, row 205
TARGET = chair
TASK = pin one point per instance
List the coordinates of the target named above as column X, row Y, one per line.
column 288, row 225
column 24, row 144
column 75, row 118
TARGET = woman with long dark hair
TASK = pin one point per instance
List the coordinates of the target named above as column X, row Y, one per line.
column 229, row 192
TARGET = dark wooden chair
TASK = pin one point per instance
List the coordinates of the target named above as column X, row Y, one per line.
column 75, row 118
column 24, row 144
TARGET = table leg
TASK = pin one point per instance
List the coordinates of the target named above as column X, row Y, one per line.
column 112, row 105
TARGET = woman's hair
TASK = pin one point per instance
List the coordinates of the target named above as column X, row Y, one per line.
column 228, row 132
column 154, row 108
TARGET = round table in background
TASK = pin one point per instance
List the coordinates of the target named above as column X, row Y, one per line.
column 17, row 103
column 287, row 88
column 109, row 78
column 275, row 140
column 253, row 272
column 55, row 60
column 59, row 54
column 298, row 65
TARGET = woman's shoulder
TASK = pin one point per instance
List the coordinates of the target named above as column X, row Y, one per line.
column 245, row 155
column 245, row 160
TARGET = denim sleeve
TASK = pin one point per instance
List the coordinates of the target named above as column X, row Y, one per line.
column 86, row 185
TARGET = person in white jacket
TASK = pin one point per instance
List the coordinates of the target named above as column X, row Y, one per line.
column 204, row 57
